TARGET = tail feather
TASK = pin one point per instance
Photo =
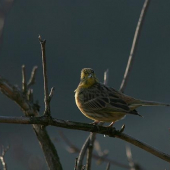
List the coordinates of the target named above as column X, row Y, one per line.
column 148, row 103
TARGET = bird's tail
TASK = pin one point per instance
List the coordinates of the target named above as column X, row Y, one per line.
column 148, row 103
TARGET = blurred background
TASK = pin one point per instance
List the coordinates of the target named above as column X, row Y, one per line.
column 96, row 34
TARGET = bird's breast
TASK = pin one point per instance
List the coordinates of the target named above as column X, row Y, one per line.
column 79, row 99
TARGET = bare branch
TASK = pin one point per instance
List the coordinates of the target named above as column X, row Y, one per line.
column 51, row 93
column 129, row 157
column 134, row 45
column 32, row 78
column 132, row 164
column 111, row 132
column 75, row 166
column 83, row 168
column 44, row 64
column 108, row 166
column 82, row 153
column 32, row 109
column 4, row 151
column 24, row 84
column 90, row 150
column 74, row 149
column 106, row 77
column 15, row 94
column 30, row 95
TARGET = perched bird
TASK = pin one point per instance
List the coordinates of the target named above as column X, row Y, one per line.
column 102, row 103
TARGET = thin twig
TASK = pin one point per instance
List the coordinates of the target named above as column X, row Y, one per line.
column 90, row 150
column 85, row 127
column 30, row 95
column 74, row 149
column 134, row 45
column 106, row 77
column 51, row 93
column 102, row 154
column 44, row 64
column 108, row 166
column 83, row 168
column 129, row 157
column 4, row 151
column 32, row 77
column 24, row 84
column 82, row 153
column 132, row 164
column 75, row 166
column 97, row 147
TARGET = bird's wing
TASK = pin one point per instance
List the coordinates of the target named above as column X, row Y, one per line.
column 104, row 99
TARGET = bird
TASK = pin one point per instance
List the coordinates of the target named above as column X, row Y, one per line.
column 105, row 104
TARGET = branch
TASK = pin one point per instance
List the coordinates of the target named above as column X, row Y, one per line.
column 31, row 109
column 32, row 78
column 82, row 153
column 75, row 166
column 51, row 94
column 134, row 45
column 24, row 84
column 111, row 132
column 15, row 94
column 90, row 150
column 129, row 157
column 44, row 64
column 106, row 77
column 74, row 149
column 4, row 151
column 108, row 166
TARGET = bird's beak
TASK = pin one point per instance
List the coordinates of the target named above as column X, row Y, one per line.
column 90, row 76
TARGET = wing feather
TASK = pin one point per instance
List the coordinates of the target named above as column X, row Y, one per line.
column 103, row 99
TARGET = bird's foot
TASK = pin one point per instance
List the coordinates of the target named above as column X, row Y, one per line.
column 95, row 122
column 112, row 130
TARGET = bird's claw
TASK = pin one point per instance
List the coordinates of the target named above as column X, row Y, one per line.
column 95, row 122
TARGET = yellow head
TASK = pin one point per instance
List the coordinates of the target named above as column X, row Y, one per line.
column 88, row 78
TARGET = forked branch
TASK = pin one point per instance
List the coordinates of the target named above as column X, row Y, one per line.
column 47, row 96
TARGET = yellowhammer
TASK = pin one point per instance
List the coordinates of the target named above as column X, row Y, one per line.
column 102, row 103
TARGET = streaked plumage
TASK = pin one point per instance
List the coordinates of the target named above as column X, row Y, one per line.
column 102, row 103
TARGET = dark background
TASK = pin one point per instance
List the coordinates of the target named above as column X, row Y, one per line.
column 96, row 34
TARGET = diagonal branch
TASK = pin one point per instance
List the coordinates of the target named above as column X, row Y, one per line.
column 134, row 45
column 108, row 166
column 111, row 132
column 82, row 153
